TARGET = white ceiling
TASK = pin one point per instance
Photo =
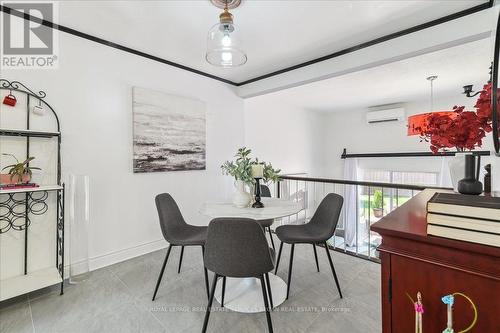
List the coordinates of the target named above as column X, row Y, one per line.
column 276, row 34
column 397, row 82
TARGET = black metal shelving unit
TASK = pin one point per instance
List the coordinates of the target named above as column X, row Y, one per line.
column 17, row 205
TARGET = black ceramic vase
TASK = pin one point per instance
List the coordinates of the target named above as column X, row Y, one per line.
column 470, row 184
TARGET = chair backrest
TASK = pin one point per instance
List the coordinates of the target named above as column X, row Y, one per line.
column 325, row 219
column 264, row 191
column 237, row 247
column 171, row 220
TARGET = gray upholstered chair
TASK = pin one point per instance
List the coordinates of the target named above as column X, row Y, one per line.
column 265, row 192
column 177, row 232
column 320, row 228
column 238, row 248
column 266, row 224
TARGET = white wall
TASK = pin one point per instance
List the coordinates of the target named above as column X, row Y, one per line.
column 91, row 92
column 290, row 138
column 350, row 130
column 304, row 141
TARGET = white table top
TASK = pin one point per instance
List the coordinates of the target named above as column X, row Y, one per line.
column 273, row 208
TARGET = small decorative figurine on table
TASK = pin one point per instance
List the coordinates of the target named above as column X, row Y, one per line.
column 448, row 300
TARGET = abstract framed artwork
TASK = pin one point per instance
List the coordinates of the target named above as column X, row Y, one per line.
column 169, row 132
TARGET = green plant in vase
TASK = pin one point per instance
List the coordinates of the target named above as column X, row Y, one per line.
column 270, row 174
column 377, row 204
column 19, row 172
column 241, row 170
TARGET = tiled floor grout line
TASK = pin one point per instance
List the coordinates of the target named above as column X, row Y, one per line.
column 354, row 275
column 135, row 298
column 31, row 314
column 345, row 287
column 158, row 320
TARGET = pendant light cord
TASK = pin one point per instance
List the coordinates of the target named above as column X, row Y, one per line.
column 431, row 79
column 432, row 95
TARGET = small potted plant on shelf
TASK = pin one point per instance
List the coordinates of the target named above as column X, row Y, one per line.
column 241, row 170
column 19, row 173
column 378, row 209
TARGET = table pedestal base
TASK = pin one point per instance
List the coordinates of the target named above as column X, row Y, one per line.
column 245, row 295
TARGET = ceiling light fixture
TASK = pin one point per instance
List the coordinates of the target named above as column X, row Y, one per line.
column 223, row 43
column 418, row 123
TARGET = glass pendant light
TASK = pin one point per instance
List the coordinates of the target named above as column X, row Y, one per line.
column 223, row 43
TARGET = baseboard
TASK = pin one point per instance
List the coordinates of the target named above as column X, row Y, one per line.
column 125, row 254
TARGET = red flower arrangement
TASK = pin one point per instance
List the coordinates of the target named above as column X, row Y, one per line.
column 463, row 130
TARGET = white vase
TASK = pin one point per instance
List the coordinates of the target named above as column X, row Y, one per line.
column 457, row 168
column 241, row 198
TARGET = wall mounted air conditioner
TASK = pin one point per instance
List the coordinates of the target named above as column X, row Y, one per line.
column 385, row 115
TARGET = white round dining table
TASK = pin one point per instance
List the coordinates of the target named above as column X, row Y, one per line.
column 245, row 294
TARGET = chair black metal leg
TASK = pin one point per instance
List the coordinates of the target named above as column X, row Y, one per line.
column 209, row 306
column 333, row 269
column 290, row 272
column 161, row 272
column 278, row 260
column 223, row 291
column 180, row 260
column 271, row 236
column 266, row 304
column 316, row 256
column 269, row 290
column 205, row 271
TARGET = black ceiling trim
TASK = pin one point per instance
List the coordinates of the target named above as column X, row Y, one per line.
column 379, row 40
column 109, row 43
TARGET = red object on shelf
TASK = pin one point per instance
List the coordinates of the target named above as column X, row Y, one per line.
column 10, row 100
column 419, row 123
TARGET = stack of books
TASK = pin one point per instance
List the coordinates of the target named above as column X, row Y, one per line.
column 464, row 217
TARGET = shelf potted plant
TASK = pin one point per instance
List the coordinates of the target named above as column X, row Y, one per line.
column 378, row 209
column 241, row 170
column 19, row 172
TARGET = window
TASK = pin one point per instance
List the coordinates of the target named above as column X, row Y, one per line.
column 400, row 177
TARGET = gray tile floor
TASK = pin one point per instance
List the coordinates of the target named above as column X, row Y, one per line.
column 118, row 299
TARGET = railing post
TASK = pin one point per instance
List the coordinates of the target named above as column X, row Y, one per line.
column 312, row 186
column 357, row 219
column 369, row 221
column 383, row 213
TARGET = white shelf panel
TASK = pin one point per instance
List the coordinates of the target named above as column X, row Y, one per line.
column 23, row 284
column 33, row 189
column 24, row 132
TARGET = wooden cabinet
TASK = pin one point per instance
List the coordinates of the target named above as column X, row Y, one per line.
column 412, row 261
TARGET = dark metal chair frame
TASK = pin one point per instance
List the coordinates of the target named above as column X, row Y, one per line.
column 170, row 216
column 326, row 231
column 266, row 193
column 226, row 258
